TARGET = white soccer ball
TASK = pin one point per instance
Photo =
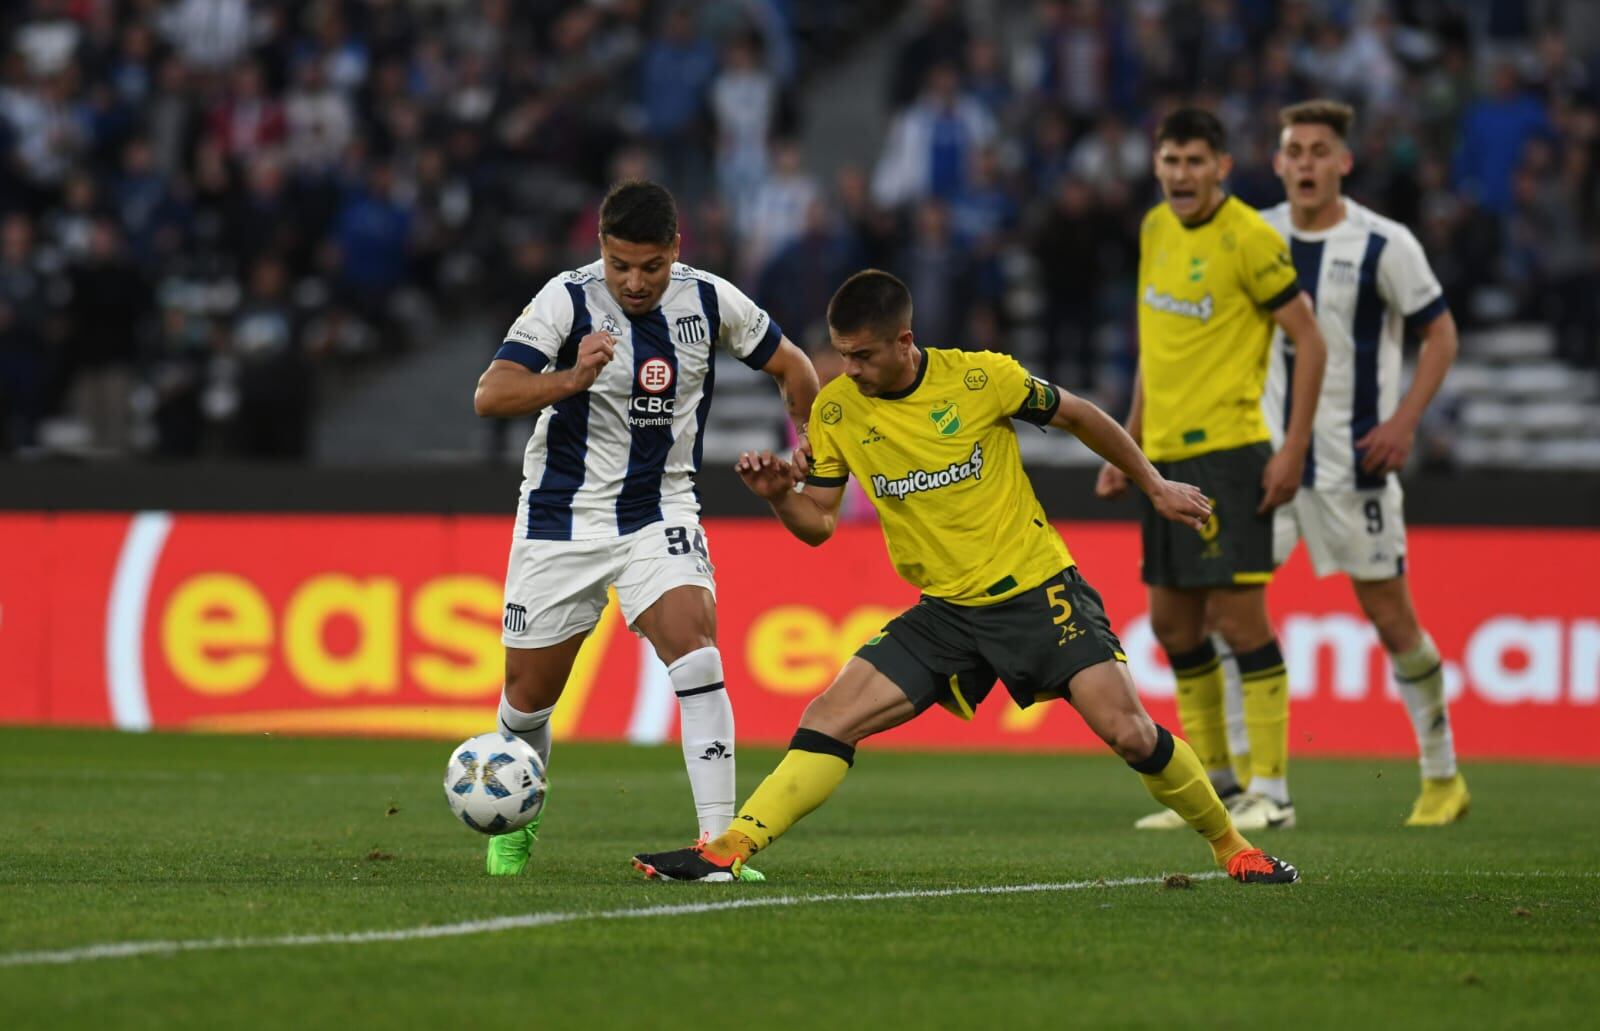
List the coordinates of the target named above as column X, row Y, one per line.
column 494, row 783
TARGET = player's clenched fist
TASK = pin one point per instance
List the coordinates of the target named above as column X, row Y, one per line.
column 595, row 352
column 1111, row 483
column 766, row 474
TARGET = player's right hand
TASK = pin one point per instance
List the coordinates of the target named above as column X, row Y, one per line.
column 595, row 352
column 1182, row 503
column 766, row 474
column 1111, row 483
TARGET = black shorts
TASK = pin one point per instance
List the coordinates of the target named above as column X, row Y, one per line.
column 1035, row 643
column 1235, row 548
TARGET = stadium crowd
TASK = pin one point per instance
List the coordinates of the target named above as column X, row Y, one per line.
column 211, row 209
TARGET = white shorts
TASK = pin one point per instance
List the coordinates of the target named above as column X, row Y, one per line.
column 557, row 589
column 1358, row 532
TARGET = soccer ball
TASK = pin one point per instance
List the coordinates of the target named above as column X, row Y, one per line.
column 494, row 783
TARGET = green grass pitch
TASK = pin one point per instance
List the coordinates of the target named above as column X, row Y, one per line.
column 110, row 839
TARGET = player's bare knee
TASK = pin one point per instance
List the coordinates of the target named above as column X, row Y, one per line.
column 1387, row 606
column 830, row 717
column 1132, row 736
column 1177, row 633
column 1243, row 623
column 671, row 650
column 528, row 687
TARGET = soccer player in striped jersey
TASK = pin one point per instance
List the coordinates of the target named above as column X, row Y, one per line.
column 617, row 359
column 1370, row 283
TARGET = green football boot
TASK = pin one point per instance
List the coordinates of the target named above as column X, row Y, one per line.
column 508, row 853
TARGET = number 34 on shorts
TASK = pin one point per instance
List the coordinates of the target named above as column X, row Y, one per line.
column 556, row 589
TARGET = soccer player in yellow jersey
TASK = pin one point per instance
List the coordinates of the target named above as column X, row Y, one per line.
column 1214, row 281
column 929, row 434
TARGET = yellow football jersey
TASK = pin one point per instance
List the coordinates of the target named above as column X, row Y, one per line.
column 939, row 461
column 1206, row 298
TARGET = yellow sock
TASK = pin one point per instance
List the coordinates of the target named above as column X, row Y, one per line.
column 1174, row 777
column 1199, row 676
column 1241, row 768
column 810, row 771
column 1266, row 713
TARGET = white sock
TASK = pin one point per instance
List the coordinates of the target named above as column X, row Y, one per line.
column 705, row 722
column 532, row 727
column 1419, row 674
column 1275, row 788
column 1232, row 698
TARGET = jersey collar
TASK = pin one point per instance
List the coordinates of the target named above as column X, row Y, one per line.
column 1226, row 197
column 922, row 371
column 1314, row 235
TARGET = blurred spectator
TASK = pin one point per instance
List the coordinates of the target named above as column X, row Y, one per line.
column 210, row 34
column 776, row 210
column 987, row 79
column 937, row 268
column 110, row 299
column 274, row 385
column 320, row 120
column 49, row 38
column 1074, row 42
column 372, row 236
column 1071, row 265
column 1494, row 131
column 744, row 100
column 939, row 37
column 798, row 282
column 675, row 76
column 1109, row 153
column 929, row 146
column 26, row 359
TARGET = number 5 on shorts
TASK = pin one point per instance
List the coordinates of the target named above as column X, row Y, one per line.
column 1054, row 592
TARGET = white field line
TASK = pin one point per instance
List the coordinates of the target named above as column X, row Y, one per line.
column 123, row 950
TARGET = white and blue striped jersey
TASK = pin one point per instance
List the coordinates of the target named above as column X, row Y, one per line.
column 623, row 454
column 1369, row 281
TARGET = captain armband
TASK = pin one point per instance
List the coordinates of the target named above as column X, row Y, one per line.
column 1039, row 407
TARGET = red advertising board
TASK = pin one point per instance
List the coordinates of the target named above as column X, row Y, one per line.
column 390, row 625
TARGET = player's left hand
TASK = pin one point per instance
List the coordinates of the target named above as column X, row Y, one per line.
column 766, row 474
column 1280, row 480
column 1181, row 503
column 1387, row 445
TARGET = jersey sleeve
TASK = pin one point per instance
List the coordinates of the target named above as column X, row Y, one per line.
column 747, row 332
column 1407, row 283
column 828, row 468
column 1019, row 394
column 537, row 334
column 1265, row 266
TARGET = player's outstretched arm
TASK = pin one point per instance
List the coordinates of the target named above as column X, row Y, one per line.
column 810, row 515
column 1388, row 444
column 1281, row 479
column 1113, row 482
column 508, row 389
column 797, row 382
column 1179, row 502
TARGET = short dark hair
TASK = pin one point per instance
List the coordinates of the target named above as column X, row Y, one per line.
column 1193, row 123
column 1335, row 115
column 872, row 300
column 640, row 211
